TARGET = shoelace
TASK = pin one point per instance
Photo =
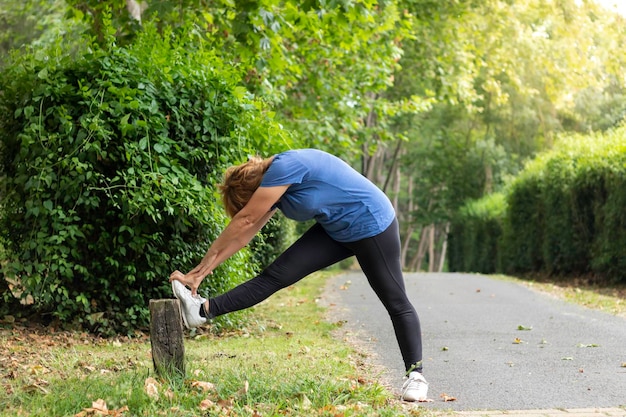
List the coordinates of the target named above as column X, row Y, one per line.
column 413, row 383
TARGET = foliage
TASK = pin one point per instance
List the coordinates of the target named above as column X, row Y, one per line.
column 107, row 162
column 322, row 64
column 33, row 22
column 564, row 213
column 504, row 79
column 475, row 234
column 276, row 236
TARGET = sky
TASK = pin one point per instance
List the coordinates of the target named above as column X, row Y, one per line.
column 612, row 4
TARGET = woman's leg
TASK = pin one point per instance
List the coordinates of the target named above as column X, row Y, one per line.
column 313, row 251
column 379, row 257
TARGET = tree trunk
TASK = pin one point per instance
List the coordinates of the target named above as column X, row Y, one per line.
column 408, row 220
column 416, row 262
column 444, row 247
column 488, row 178
column 405, row 245
column 431, row 248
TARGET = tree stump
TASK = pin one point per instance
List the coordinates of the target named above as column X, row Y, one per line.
column 166, row 338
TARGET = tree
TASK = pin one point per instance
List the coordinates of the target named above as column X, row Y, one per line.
column 505, row 79
column 37, row 22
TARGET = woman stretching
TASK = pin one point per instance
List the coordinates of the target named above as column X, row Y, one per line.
column 353, row 218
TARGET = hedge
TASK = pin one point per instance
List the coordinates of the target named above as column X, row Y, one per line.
column 564, row 214
column 107, row 163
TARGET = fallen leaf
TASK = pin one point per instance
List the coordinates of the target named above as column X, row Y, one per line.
column 305, row 403
column 98, row 408
column 100, row 405
column 88, row 368
column 244, row 389
column 226, row 403
column 38, row 385
column 203, row 385
column 517, row 341
column 206, row 404
column 38, row 370
column 151, row 386
column 623, row 365
column 445, row 397
column 520, row 327
column 591, row 345
column 445, row 348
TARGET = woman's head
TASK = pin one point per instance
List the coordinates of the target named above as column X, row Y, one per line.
column 240, row 182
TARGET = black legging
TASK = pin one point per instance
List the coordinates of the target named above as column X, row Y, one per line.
column 379, row 257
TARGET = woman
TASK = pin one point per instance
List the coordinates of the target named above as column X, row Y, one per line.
column 353, row 217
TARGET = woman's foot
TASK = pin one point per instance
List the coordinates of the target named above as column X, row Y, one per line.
column 415, row 388
column 190, row 305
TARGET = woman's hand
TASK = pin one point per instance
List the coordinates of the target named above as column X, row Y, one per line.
column 194, row 278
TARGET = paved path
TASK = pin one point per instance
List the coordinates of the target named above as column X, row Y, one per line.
column 494, row 345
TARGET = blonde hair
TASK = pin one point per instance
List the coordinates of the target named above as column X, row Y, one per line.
column 240, row 182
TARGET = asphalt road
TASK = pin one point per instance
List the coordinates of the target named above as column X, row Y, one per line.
column 491, row 344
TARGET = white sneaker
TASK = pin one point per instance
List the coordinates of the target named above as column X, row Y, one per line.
column 190, row 305
column 415, row 388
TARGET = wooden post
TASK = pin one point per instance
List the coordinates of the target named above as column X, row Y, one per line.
column 166, row 337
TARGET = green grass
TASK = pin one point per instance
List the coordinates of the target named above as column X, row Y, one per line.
column 585, row 292
column 286, row 356
column 284, row 363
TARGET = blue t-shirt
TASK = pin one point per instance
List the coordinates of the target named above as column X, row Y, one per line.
column 325, row 188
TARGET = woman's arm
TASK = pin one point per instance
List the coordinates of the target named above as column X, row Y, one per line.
column 239, row 232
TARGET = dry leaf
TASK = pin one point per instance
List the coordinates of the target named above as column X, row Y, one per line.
column 38, row 385
column 203, row 385
column 425, row 400
column 98, row 408
column 517, row 341
column 226, row 403
column 206, row 404
column 305, row 403
column 445, row 397
column 151, row 386
column 244, row 389
column 100, row 405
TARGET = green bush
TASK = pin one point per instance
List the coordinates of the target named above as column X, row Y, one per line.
column 564, row 214
column 474, row 235
column 108, row 161
column 278, row 234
